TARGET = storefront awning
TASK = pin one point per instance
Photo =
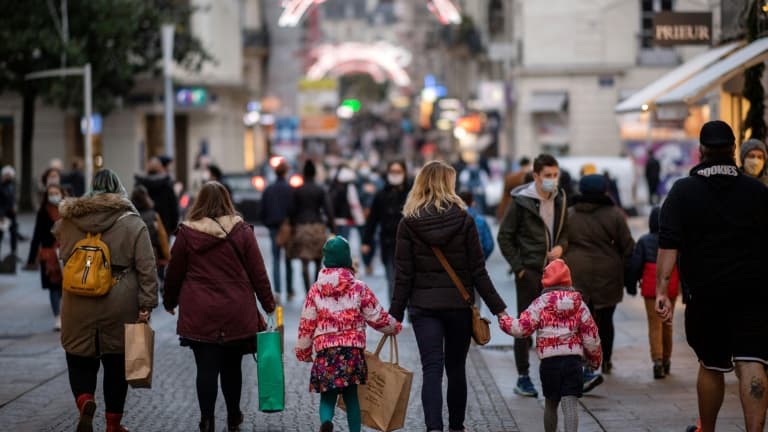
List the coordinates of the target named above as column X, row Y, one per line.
column 548, row 102
column 702, row 83
column 649, row 94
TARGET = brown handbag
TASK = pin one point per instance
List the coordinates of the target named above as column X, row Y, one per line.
column 284, row 234
column 481, row 327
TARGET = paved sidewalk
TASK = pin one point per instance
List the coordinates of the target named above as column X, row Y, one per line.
column 35, row 396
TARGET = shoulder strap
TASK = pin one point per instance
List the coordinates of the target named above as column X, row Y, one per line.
column 451, row 273
column 237, row 252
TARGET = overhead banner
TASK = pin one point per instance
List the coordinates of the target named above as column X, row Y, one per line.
column 318, row 100
column 682, row 28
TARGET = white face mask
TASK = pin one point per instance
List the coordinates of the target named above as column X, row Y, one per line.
column 54, row 199
column 754, row 166
column 395, row 179
column 548, row 185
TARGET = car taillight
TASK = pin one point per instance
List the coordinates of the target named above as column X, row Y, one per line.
column 258, row 183
column 296, row 181
column 274, row 161
column 184, row 201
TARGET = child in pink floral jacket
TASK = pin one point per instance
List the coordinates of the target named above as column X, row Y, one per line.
column 567, row 339
column 337, row 308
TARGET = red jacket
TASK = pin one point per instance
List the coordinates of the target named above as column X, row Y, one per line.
column 207, row 281
column 648, row 282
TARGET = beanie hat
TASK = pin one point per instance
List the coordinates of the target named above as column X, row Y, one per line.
column 556, row 274
column 336, row 253
column 752, row 144
column 593, row 184
column 717, row 133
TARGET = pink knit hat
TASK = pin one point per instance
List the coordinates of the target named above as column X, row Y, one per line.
column 556, row 273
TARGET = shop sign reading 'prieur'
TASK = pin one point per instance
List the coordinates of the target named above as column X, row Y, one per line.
column 682, row 28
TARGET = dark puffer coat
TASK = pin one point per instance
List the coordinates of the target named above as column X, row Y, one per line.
column 421, row 281
column 599, row 248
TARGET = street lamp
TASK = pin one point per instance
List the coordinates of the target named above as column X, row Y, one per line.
column 85, row 71
column 167, row 36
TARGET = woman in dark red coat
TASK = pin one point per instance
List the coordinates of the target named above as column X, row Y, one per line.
column 215, row 268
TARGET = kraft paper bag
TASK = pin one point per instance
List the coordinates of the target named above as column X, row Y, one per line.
column 384, row 397
column 269, row 367
column 139, row 354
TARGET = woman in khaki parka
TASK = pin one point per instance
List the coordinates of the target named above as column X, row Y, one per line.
column 92, row 328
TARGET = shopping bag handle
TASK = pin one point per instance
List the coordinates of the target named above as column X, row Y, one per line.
column 271, row 322
column 394, row 353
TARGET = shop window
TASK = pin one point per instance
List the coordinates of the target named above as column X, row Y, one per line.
column 496, row 22
column 649, row 8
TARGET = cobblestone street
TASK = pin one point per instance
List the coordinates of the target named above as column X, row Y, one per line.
column 35, row 395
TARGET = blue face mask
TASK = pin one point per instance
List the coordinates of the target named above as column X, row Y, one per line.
column 548, row 185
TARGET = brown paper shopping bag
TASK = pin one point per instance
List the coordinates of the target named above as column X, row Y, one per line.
column 384, row 397
column 139, row 354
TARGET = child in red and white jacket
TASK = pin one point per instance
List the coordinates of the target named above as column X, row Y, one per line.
column 337, row 308
column 566, row 340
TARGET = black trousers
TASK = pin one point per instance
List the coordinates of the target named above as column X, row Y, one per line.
column 83, row 372
column 528, row 288
column 214, row 361
column 604, row 320
column 443, row 338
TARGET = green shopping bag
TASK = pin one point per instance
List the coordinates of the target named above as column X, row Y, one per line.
column 269, row 366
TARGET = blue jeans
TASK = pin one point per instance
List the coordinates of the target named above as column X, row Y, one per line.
column 443, row 338
column 276, row 264
column 367, row 258
column 54, row 294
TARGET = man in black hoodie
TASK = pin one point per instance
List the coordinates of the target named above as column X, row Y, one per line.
column 160, row 187
column 713, row 224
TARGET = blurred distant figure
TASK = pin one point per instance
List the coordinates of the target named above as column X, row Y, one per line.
column 158, row 236
column 511, row 181
column 160, row 187
column 347, row 209
column 653, row 177
column 366, row 188
column 474, row 179
column 74, row 181
column 312, row 212
column 276, row 207
column 44, row 250
column 613, row 189
column 8, row 206
column 214, row 173
column 386, row 213
column 486, row 237
column 51, row 176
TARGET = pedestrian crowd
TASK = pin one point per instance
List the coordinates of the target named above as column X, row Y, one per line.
column 570, row 252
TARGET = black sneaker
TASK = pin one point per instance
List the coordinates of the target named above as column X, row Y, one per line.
column 658, row 370
column 693, row 428
column 667, row 367
column 326, row 427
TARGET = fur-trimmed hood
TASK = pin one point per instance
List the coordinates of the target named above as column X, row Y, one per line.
column 95, row 213
column 205, row 234
column 208, row 226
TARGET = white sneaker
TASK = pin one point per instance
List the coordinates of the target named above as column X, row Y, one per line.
column 57, row 323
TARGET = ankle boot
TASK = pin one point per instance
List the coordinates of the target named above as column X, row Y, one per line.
column 207, row 424
column 113, row 422
column 234, row 421
column 86, row 405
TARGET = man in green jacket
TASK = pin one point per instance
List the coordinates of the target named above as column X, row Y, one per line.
column 533, row 232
